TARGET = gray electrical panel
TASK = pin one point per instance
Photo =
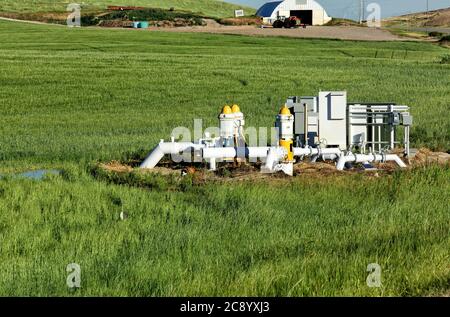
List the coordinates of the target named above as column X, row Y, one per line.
column 298, row 105
column 333, row 119
column 332, row 122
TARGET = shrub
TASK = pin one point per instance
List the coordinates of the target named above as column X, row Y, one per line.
column 445, row 59
column 435, row 34
column 152, row 14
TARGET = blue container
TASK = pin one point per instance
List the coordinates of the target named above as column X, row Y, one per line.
column 143, row 25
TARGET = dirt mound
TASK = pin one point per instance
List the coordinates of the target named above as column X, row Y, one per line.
column 52, row 17
column 318, row 167
column 115, row 24
column 342, row 22
column 440, row 18
column 252, row 172
column 177, row 22
column 436, row 18
column 115, row 166
column 241, row 21
column 425, row 156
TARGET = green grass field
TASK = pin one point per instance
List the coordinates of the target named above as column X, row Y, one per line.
column 211, row 8
column 71, row 97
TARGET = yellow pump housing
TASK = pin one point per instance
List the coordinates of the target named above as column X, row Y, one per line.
column 226, row 109
column 289, row 146
column 284, row 111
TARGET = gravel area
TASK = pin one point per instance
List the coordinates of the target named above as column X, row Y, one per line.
column 333, row 32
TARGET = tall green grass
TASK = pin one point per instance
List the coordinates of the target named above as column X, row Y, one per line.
column 293, row 238
column 72, row 96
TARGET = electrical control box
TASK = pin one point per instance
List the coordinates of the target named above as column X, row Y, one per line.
column 407, row 119
column 298, row 105
column 325, row 119
column 328, row 120
column 333, row 119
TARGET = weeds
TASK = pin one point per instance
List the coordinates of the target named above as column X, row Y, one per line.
column 445, row 59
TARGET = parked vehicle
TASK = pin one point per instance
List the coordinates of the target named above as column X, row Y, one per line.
column 288, row 23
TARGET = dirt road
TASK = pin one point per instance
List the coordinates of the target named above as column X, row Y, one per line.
column 333, row 32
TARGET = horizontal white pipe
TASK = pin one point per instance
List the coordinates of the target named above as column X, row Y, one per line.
column 258, row 152
column 231, row 152
column 164, row 148
column 330, row 157
column 379, row 107
column 361, row 158
column 218, row 152
column 298, row 151
column 262, row 152
column 278, row 153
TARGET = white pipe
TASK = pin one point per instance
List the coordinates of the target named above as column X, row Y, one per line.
column 167, row 148
column 298, row 151
column 212, row 164
column 330, row 157
column 171, row 148
column 263, row 152
column 258, row 152
column 231, row 152
column 275, row 155
column 361, row 158
column 218, row 152
column 396, row 159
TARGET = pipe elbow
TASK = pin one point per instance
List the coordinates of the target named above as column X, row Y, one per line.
column 169, row 148
column 396, row 159
column 153, row 158
column 343, row 159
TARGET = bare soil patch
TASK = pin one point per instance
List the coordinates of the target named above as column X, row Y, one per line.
column 246, row 172
column 425, row 156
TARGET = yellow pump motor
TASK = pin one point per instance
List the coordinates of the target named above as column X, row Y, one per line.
column 289, row 146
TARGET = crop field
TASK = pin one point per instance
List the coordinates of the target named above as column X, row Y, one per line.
column 208, row 7
column 73, row 97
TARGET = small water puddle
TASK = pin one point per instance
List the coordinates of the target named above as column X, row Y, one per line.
column 36, row 175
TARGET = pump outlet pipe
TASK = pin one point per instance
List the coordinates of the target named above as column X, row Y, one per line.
column 168, row 148
column 309, row 151
column 275, row 155
column 362, row 158
column 231, row 152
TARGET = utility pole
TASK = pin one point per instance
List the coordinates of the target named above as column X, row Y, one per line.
column 361, row 11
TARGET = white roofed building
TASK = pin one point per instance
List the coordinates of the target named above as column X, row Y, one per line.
column 310, row 12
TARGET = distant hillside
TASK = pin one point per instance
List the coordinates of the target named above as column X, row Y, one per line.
column 211, row 8
column 436, row 18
